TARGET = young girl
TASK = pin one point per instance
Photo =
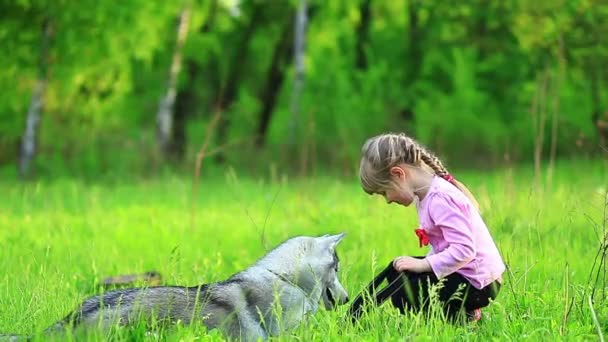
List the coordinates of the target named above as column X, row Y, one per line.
column 463, row 256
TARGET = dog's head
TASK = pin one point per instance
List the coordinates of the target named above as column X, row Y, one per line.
column 312, row 264
column 328, row 267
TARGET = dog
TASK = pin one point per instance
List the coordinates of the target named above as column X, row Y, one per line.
column 270, row 297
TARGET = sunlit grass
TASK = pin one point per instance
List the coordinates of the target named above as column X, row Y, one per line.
column 59, row 239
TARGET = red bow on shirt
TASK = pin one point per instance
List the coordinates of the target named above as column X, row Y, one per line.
column 449, row 178
column 422, row 237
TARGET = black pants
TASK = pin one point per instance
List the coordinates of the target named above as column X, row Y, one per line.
column 410, row 291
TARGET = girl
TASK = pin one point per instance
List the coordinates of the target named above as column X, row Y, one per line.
column 463, row 256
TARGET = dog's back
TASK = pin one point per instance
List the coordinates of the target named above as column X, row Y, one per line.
column 122, row 307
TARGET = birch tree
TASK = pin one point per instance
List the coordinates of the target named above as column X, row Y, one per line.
column 299, row 53
column 34, row 113
column 167, row 102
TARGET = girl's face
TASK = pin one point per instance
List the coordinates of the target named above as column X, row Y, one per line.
column 401, row 192
column 399, row 196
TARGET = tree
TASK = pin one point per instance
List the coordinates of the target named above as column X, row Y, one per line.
column 187, row 99
column 228, row 93
column 166, row 107
column 362, row 34
column 34, row 113
column 274, row 80
column 300, row 25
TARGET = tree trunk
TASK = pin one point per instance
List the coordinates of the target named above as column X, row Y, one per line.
column 540, row 126
column 34, row 113
column 414, row 59
column 274, row 81
column 481, row 30
column 185, row 103
column 362, row 34
column 211, row 18
column 229, row 95
column 185, row 100
column 555, row 117
column 554, row 131
column 594, row 75
column 298, row 84
column 166, row 106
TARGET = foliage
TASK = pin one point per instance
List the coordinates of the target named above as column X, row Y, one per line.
column 466, row 73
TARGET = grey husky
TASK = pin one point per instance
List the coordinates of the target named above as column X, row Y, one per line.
column 271, row 296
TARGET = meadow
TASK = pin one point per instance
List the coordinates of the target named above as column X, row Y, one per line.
column 59, row 238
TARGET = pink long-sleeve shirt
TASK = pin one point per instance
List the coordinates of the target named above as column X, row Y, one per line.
column 460, row 240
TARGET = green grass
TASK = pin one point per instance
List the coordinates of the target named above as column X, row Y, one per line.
column 58, row 239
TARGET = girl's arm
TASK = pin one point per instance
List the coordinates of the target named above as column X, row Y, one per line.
column 407, row 263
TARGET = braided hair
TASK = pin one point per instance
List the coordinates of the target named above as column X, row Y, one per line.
column 382, row 152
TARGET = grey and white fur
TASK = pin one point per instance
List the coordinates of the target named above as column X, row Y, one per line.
column 270, row 297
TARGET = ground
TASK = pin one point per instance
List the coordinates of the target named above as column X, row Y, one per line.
column 59, row 238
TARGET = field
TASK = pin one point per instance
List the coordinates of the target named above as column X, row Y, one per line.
column 59, row 239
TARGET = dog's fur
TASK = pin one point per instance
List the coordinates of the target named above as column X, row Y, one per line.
column 271, row 296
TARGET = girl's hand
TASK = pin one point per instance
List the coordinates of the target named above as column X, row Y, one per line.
column 406, row 263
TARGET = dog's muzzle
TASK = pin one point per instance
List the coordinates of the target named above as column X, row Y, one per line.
column 330, row 300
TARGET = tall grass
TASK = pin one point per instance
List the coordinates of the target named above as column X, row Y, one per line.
column 59, row 238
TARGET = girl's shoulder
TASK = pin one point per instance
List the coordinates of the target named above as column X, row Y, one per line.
column 442, row 190
column 443, row 198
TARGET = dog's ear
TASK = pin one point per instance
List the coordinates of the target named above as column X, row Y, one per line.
column 333, row 240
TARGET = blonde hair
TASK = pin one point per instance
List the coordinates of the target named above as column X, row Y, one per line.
column 382, row 152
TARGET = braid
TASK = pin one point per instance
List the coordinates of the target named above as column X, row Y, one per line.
column 412, row 153
column 433, row 162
